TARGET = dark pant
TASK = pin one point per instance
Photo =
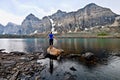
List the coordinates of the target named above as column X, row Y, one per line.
column 51, row 41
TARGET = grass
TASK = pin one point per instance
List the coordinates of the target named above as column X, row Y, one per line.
column 102, row 34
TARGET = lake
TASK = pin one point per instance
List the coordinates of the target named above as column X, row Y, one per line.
column 110, row 70
column 69, row 45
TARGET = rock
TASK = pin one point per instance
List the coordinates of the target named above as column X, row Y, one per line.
column 2, row 50
column 115, row 53
column 72, row 68
column 24, row 59
column 54, row 51
column 3, row 79
column 14, row 76
column 68, row 76
column 74, row 55
column 88, row 55
column 37, row 77
column 41, row 56
column 17, row 53
column 14, row 69
column 8, row 63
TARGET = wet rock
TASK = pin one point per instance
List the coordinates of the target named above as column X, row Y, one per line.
column 37, row 77
column 2, row 50
column 115, row 53
column 3, row 79
column 72, row 68
column 41, row 56
column 68, row 76
column 24, row 59
column 73, row 55
column 26, row 64
column 14, row 76
column 8, row 63
column 37, row 53
column 17, row 53
column 88, row 56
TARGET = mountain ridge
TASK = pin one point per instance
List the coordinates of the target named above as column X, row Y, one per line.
column 87, row 17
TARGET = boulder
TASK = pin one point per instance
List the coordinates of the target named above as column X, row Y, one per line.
column 88, row 56
column 54, row 51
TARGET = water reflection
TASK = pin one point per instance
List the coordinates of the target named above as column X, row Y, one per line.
column 75, row 45
column 70, row 45
column 23, row 45
column 12, row 44
column 35, row 45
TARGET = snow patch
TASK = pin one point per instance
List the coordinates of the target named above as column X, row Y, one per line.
column 53, row 28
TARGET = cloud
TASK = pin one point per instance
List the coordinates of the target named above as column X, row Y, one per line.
column 17, row 10
column 39, row 12
column 6, row 17
column 20, row 12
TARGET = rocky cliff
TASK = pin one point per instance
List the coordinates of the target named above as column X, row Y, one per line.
column 88, row 17
column 12, row 28
column 32, row 24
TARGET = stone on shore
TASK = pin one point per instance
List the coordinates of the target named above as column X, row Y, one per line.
column 17, row 53
column 14, row 77
column 15, row 65
column 88, row 55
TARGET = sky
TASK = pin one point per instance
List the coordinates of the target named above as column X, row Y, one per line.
column 15, row 11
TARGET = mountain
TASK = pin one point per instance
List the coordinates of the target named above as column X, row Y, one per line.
column 58, row 15
column 88, row 17
column 32, row 24
column 12, row 28
column 1, row 28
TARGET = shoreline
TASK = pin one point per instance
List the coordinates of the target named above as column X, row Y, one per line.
column 15, row 65
column 67, row 35
column 99, row 37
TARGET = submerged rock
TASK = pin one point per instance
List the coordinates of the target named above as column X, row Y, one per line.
column 72, row 68
column 69, row 76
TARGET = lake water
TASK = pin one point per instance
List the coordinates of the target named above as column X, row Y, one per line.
column 61, row 70
column 69, row 45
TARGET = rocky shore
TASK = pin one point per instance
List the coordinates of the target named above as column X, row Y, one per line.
column 18, row 65
column 27, row 66
column 35, row 66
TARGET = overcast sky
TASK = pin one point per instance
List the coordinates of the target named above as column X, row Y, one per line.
column 16, row 10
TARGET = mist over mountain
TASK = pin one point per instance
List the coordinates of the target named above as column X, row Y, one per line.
column 12, row 28
column 1, row 28
column 88, row 17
